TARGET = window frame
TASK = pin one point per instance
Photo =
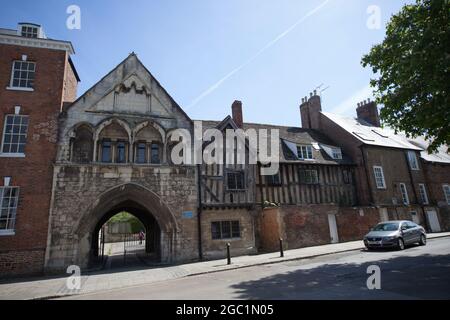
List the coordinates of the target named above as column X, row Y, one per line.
column 25, row 134
column 404, row 193
column 375, row 168
column 445, row 187
column 232, row 231
column 137, row 148
column 110, row 151
column 309, row 150
column 19, row 87
column 423, row 194
column 235, row 172
column 412, row 157
column 124, row 143
column 317, row 181
column 274, row 179
column 8, row 231
column 338, row 152
column 155, row 146
column 27, row 33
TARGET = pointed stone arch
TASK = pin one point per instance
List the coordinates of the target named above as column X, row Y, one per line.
column 147, row 203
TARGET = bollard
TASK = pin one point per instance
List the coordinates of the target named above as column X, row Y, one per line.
column 228, row 254
column 281, row 248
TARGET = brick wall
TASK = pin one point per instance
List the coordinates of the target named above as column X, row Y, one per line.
column 33, row 173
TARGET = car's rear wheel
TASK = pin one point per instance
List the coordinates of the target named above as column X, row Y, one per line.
column 400, row 244
column 423, row 240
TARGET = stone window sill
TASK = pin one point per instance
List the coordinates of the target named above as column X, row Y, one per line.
column 12, row 155
column 20, row 89
column 7, row 233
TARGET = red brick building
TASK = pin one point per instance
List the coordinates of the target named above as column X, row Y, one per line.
column 394, row 174
column 37, row 77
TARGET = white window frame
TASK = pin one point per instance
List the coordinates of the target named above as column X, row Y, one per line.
column 381, row 176
column 27, row 33
column 446, row 189
column 404, row 193
column 7, row 232
column 412, row 159
column 11, row 80
column 337, row 153
column 423, row 193
column 305, row 149
column 13, row 154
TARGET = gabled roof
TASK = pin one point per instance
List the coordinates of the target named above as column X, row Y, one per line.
column 369, row 134
column 100, row 87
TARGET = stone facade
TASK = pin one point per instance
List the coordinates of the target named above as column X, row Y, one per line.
column 84, row 194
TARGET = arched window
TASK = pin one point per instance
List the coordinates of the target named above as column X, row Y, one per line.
column 148, row 145
column 113, row 144
column 83, row 145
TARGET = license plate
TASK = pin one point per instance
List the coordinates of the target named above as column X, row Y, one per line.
column 374, row 242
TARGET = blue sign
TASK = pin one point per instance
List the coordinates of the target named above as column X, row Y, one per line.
column 187, row 214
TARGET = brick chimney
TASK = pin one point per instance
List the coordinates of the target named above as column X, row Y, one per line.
column 310, row 111
column 236, row 110
column 304, row 114
column 368, row 111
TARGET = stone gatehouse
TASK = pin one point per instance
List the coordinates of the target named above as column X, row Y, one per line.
column 113, row 156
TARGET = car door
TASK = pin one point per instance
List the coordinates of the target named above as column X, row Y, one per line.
column 415, row 231
column 406, row 233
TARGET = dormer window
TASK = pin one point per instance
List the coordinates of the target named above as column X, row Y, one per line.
column 337, row 153
column 304, row 152
column 29, row 31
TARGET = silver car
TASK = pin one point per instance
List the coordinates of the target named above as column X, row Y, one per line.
column 395, row 234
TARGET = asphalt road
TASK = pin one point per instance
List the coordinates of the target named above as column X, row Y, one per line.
column 415, row 273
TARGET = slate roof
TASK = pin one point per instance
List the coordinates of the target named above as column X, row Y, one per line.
column 290, row 136
column 386, row 137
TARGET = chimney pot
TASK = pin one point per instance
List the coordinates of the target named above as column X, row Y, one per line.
column 315, row 92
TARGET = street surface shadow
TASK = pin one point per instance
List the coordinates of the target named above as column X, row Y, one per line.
column 421, row 277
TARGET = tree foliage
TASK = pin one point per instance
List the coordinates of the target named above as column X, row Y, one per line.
column 412, row 67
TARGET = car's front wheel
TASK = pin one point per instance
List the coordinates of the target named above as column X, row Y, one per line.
column 400, row 244
column 423, row 240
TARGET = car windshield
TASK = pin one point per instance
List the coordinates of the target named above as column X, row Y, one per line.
column 386, row 227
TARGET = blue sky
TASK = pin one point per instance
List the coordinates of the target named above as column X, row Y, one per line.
column 268, row 54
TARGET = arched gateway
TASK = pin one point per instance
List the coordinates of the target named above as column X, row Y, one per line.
column 79, row 245
column 143, row 203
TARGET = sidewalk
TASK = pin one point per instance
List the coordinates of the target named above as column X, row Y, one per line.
column 101, row 280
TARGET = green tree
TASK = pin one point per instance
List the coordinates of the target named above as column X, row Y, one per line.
column 412, row 67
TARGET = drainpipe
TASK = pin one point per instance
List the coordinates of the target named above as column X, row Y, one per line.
column 371, row 196
column 199, row 211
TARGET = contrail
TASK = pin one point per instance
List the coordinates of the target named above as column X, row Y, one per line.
column 267, row 46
